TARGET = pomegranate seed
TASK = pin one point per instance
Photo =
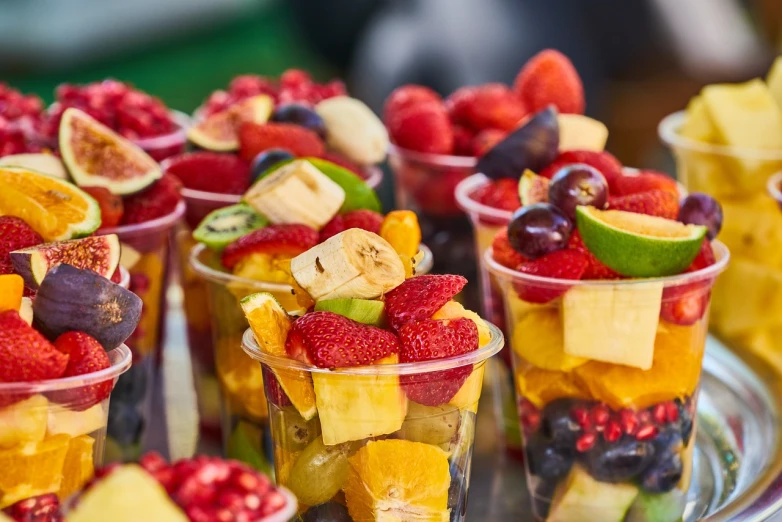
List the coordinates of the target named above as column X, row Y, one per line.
column 644, row 416
column 531, row 422
column 600, row 415
column 272, row 503
column 579, row 414
column 629, row 421
column 659, row 414
column 671, row 412
column 231, row 500
column 153, row 462
column 252, row 502
column 246, row 481
column 646, row 432
column 526, row 406
column 612, row 431
column 586, row 441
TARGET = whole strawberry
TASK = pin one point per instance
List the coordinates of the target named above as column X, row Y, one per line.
column 501, row 194
column 660, row 203
column 290, row 240
column 550, row 78
column 161, row 199
column 644, row 181
column 15, row 234
column 25, row 354
column 424, row 127
column 503, row 252
column 255, row 138
column 85, row 355
column 605, row 162
column 405, row 97
column 211, row 172
column 489, row 106
column 329, row 340
column 561, row 264
column 420, row 297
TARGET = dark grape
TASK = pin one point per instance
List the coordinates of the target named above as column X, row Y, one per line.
column 545, row 459
column 300, row 115
column 328, row 512
column 267, row 159
column 577, row 184
column 702, row 209
column 557, row 425
column 618, row 461
column 663, row 474
column 539, row 229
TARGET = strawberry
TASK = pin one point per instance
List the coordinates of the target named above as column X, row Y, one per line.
column 25, row 355
column 489, row 106
column 154, row 202
column 658, row 203
column 342, row 161
column 332, row 228
column 405, row 97
column 274, row 391
column 424, row 127
column 329, row 340
column 603, row 161
column 288, row 240
column 85, row 355
column 704, row 258
column 486, row 140
column 255, row 138
column 15, row 234
column 644, row 181
column 111, row 207
column 550, row 78
column 561, row 264
column 364, row 219
column 463, row 140
column 686, row 304
column 420, row 297
column 503, row 252
column 595, row 269
column 502, row 194
column 432, row 339
column 211, row 172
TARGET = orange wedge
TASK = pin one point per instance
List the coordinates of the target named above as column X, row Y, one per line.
column 11, row 289
column 32, row 469
column 400, row 228
column 78, row 468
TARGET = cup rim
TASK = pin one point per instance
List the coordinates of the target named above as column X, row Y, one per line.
column 668, row 128
column 721, row 252
column 176, row 137
column 288, row 511
column 124, row 280
column 280, row 362
column 123, row 361
column 217, row 276
column 469, row 205
column 436, row 160
column 153, row 225
column 773, row 186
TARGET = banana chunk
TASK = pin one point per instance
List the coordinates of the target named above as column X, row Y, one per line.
column 353, row 130
column 297, row 193
column 353, row 264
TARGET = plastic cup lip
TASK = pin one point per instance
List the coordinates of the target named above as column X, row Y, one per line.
column 176, row 137
column 434, row 160
column 124, row 279
column 217, row 276
column 668, row 129
column 472, row 207
column 720, row 252
column 148, row 227
column 280, row 362
column 121, row 358
column 773, row 185
column 288, row 511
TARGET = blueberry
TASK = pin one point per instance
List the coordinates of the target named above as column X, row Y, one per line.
column 125, row 423
column 300, row 115
column 663, row 475
column 267, row 159
column 668, row 442
column 328, row 512
column 546, row 459
column 556, row 423
column 456, row 503
column 618, row 461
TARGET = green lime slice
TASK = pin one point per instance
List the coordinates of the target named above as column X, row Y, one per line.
column 637, row 245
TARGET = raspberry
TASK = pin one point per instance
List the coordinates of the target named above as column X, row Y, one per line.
column 424, row 127
column 550, row 78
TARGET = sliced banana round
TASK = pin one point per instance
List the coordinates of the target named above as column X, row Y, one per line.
column 353, row 130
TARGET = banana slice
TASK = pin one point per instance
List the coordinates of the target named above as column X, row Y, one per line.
column 353, row 130
column 297, row 193
column 353, row 264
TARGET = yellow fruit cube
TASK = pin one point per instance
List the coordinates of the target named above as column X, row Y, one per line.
column 538, row 338
column 698, row 125
column 453, row 310
column 24, row 421
column 774, row 81
column 32, row 469
column 752, row 229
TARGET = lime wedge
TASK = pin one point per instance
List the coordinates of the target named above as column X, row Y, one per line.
column 637, row 245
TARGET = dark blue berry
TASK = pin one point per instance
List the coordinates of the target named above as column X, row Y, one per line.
column 668, row 442
column 618, row 461
column 545, row 459
column 300, row 115
column 557, row 425
column 267, row 159
column 328, row 512
column 663, row 475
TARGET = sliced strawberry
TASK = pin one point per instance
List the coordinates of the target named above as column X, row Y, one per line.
column 502, row 194
column 485, row 140
column 111, row 207
column 463, row 140
column 274, row 391
column 405, row 97
column 550, row 78
column 424, row 127
column 420, row 297
column 364, row 219
column 435, row 339
column 658, row 203
column 85, row 355
column 644, row 181
column 211, row 172
column 25, row 355
column 329, row 340
column 489, row 106
column 154, row 202
column 606, row 163
column 595, row 269
column 332, row 228
column 255, row 138
column 15, row 234
column 562, row 264
column 288, row 240
column 686, row 304
column 503, row 252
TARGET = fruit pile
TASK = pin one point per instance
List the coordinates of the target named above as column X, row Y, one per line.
column 200, row 489
column 393, row 443
column 23, row 125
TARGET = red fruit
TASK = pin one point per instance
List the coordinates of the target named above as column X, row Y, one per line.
column 111, row 207
column 503, row 252
column 561, row 264
column 658, row 203
column 646, row 432
column 288, row 240
column 704, row 258
column 85, row 355
column 671, row 412
column 603, row 161
column 332, row 228
column 550, row 78
column 486, row 140
column 329, row 340
column 161, row 199
column 15, row 234
column 644, row 181
column 420, row 297
column 685, row 304
column 364, row 219
column 25, row 355
column 489, row 106
column 463, row 140
column 612, row 431
column 438, row 198
column 43, row 508
column 211, row 172
column 343, row 162
column 274, row 391
column 431, row 339
column 424, row 127
column 502, row 194
column 116, row 277
column 595, row 269
column 255, row 138
column 629, row 421
column 586, row 441
column 405, row 97
column 659, row 414
column 600, row 414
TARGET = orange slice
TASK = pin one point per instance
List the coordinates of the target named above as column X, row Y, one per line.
column 240, row 377
column 400, row 228
column 543, row 386
column 54, row 208
column 11, row 289
column 78, row 468
column 32, row 469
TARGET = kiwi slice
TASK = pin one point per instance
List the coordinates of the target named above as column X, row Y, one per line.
column 360, row 310
column 225, row 225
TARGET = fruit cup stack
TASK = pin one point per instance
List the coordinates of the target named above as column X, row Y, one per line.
column 372, row 394
column 241, row 133
column 247, row 248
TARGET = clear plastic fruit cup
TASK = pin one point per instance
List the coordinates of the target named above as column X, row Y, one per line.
column 167, row 145
column 145, row 254
column 607, row 385
column 747, row 303
column 364, row 445
column 425, row 183
column 225, row 380
column 199, row 324
column 53, row 433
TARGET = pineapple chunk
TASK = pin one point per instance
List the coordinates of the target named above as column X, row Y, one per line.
column 698, row 125
column 24, row 421
column 75, row 423
column 581, row 498
column 746, row 297
column 578, row 132
column 753, row 228
column 774, row 81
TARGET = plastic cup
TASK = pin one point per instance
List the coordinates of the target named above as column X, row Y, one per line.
column 425, row 183
column 167, row 145
column 52, row 434
column 386, row 454
column 145, row 254
column 199, row 323
column 607, row 384
column 224, row 375
column 747, row 301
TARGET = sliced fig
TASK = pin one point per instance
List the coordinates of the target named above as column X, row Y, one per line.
column 218, row 132
column 96, row 156
column 532, row 146
column 533, row 188
column 73, row 299
column 98, row 253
